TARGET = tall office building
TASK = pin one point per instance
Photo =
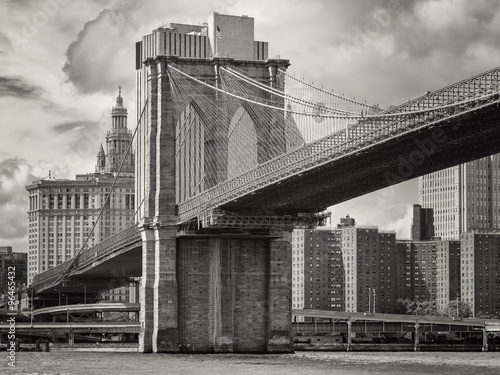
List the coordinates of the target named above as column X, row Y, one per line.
column 422, row 227
column 63, row 213
column 480, row 267
column 463, row 197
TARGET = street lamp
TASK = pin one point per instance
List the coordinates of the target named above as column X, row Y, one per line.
column 457, row 305
column 59, row 296
column 369, row 299
column 31, row 308
column 65, row 295
column 84, row 293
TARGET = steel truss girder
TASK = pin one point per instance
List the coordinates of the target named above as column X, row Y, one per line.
column 219, row 219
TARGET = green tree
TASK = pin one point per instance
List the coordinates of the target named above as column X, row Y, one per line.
column 482, row 315
column 407, row 306
column 464, row 310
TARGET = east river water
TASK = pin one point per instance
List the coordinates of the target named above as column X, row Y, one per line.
column 300, row 363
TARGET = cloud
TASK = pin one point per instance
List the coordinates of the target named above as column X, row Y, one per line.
column 103, row 54
column 15, row 174
column 4, row 41
column 74, row 126
column 402, row 225
column 13, row 86
column 388, row 209
column 91, row 69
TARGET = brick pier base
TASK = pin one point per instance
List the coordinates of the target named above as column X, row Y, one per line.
column 234, row 295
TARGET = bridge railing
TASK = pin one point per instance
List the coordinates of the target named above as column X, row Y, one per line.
column 351, row 139
column 46, row 278
column 483, row 83
column 108, row 246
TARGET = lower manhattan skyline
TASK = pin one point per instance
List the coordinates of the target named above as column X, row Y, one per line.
column 62, row 62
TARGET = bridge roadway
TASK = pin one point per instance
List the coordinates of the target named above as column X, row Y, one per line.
column 107, row 265
column 83, row 309
column 106, row 327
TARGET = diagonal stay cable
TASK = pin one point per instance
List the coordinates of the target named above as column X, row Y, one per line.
column 73, row 260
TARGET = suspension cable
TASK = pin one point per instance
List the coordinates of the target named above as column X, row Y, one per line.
column 73, row 260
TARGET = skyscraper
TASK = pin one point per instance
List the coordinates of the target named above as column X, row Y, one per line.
column 63, row 213
column 463, row 197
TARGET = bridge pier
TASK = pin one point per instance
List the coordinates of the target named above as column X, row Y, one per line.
column 219, row 294
column 165, row 320
column 280, row 294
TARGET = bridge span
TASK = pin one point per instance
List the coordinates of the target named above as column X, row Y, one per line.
column 229, row 161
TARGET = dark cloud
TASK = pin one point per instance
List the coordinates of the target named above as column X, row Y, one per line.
column 103, row 54
column 71, row 125
column 466, row 26
column 13, row 86
column 483, row 11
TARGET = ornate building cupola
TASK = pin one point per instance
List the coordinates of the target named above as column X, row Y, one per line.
column 101, row 161
column 118, row 140
column 119, row 112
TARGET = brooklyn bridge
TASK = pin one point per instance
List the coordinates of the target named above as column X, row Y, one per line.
column 232, row 154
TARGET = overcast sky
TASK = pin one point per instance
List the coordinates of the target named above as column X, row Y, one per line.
column 61, row 60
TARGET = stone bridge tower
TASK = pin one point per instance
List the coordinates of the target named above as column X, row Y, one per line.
column 206, row 290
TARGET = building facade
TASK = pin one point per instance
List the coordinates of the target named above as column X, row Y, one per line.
column 448, row 272
column 66, row 216
column 480, row 267
column 370, row 265
column 419, row 269
column 422, row 227
column 463, row 197
column 317, row 270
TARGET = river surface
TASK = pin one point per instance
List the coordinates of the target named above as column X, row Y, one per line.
column 300, row 363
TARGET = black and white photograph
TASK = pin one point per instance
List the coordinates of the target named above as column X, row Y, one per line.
column 250, row 187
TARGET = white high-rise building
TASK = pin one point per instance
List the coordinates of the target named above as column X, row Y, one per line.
column 63, row 213
column 463, row 197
